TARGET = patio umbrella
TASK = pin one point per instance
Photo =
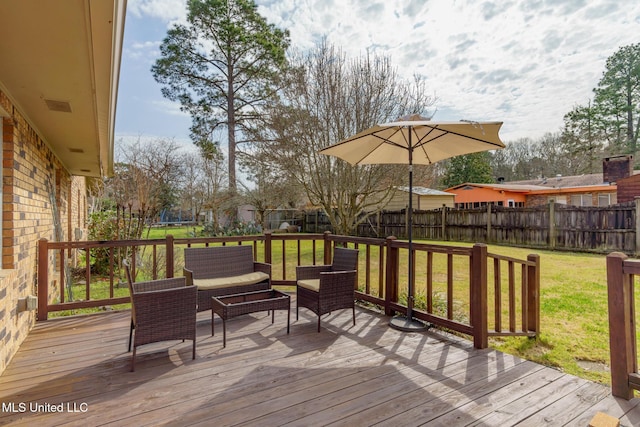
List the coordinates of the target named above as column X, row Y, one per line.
column 415, row 140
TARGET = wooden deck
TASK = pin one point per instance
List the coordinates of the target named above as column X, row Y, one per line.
column 363, row 375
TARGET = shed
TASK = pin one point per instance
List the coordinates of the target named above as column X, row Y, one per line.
column 423, row 199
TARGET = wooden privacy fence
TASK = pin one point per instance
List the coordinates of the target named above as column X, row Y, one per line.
column 467, row 290
column 621, row 273
column 552, row 226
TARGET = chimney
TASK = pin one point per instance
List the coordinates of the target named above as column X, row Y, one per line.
column 617, row 167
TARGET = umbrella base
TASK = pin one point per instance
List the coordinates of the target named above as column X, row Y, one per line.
column 405, row 324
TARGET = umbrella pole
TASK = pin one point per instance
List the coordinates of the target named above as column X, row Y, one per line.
column 408, row 323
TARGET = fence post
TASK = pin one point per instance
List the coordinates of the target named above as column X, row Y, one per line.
column 391, row 275
column 268, row 240
column 637, row 248
column 488, row 239
column 43, row 280
column 622, row 345
column 533, row 294
column 444, row 223
column 552, row 225
column 479, row 296
column 315, row 230
column 170, row 256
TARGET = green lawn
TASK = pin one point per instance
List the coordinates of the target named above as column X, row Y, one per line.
column 176, row 231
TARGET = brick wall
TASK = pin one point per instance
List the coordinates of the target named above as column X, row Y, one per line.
column 32, row 178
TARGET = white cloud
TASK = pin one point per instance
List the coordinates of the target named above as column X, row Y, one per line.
column 168, row 107
column 169, row 11
column 525, row 62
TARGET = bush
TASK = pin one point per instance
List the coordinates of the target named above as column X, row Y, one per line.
column 237, row 228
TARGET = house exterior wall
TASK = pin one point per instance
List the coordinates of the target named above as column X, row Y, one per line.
column 33, row 181
column 472, row 195
column 435, row 202
column 587, row 197
column 426, row 202
column 628, row 188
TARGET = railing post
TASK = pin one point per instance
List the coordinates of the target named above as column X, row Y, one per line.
column 170, row 256
column 621, row 325
column 533, row 294
column 268, row 240
column 43, row 280
column 391, row 276
column 479, row 296
column 637, row 241
column 327, row 247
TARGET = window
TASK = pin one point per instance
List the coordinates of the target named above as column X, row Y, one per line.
column 604, row 199
column 511, row 203
column 582, row 199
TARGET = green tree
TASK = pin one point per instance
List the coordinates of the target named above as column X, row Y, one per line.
column 583, row 137
column 475, row 167
column 617, row 98
column 221, row 67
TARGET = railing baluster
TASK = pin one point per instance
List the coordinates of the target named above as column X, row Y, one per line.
column 512, row 297
column 111, row 262
column 450, row 286
column 524, row 298
column 381, row 270
column 497, row 285
column 87, row 276
column 429, row 282
column 154, row 267
column 367, row 267
column 284, row 260
column 63, row 288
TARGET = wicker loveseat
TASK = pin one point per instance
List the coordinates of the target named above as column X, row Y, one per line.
column 224, row 270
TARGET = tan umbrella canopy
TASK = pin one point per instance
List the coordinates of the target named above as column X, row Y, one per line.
column 415, row 137
column 415, row 140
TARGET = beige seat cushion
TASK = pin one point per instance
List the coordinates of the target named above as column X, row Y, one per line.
column 311, row 284
column 223, row 282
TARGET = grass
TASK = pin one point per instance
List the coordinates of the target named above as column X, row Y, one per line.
column 178, row 232
column 574, row 315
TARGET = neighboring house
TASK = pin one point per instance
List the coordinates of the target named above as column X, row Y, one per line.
column 588, row 195
column 598, row 189
column 59, row 68
column 423, row 199
column 470, row 195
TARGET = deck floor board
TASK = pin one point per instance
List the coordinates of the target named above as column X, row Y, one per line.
column 343, row 376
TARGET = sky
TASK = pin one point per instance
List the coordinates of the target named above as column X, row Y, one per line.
column 523, row 62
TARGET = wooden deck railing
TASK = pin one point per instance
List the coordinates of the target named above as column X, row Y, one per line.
column 621, row 274
column 451, row 283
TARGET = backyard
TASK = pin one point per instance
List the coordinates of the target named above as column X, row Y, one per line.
column 573, row 302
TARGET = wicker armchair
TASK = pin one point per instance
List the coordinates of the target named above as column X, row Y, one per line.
column 324, row 288
column 224, row 270
column 161, row 310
